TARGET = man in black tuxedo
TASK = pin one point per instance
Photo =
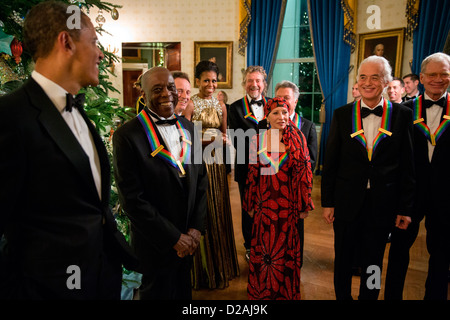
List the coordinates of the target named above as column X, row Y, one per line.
column 368, row 178
column 244, row 115
column 432, row 159
column 165, row 200
column 411, row 82
column 62, row 241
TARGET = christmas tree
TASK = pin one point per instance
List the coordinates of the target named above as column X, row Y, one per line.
column 105, row 112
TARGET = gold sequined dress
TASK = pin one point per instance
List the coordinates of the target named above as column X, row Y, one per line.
column 215, row 262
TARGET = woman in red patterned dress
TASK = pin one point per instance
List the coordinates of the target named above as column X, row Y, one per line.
column 278, row 194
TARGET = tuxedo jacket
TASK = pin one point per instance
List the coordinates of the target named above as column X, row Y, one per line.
column 308, row 128
column 347, row 169
column 241, row 140
column 159, row 203
column 432, row 189
column 51, row 213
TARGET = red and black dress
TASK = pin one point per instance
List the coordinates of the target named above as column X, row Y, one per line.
column 278, row 189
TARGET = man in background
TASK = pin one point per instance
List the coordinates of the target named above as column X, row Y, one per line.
column 245, row 114
column 355, row 92
column 183, row 89
column 395, row 90
column 411, row 86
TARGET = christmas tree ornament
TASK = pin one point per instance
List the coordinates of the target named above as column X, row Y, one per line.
column 16, row 50
column 100, row 18
column 115, row 14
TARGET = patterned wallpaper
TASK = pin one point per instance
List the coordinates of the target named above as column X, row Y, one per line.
column 182, row 21
column 392, row 14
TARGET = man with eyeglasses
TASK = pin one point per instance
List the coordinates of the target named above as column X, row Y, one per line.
column 432, row 163
column 367, row 179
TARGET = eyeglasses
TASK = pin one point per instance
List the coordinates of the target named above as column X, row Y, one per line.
column 443, row 76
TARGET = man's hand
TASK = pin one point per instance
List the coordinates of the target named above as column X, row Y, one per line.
column 304, row 215
column 328, row 214
column 195, row 235
column 402, row 222
column 184, row 245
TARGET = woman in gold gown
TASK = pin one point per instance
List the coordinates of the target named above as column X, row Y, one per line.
column 215, row 262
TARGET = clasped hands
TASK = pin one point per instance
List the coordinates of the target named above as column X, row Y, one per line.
column 188, row 243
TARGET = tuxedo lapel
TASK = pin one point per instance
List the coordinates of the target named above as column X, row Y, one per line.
column 163, row 143
column 105, row 166
column 250, row 124
column 59, row 132
column 442, row 145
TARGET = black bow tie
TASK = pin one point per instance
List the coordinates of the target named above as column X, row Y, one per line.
column 428, row 103
column 169, row 121
column 162, row 121
column 258, row 102
column 378, row 111
column 76, row 102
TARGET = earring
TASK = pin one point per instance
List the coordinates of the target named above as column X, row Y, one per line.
column 268, row 124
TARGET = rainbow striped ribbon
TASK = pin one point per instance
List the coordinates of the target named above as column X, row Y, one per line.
column 383, row 131
column 297, row 121
column 419, row 121
column 275, row 164
column 158, row 149
column 247, row 113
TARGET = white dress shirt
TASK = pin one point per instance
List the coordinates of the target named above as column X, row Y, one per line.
column 171, row 137
column 434, row 114
column 75, row 122
column 257, row 110
column 371, row 124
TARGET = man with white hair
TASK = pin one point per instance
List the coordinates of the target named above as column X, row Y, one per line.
column 432, row 158
column 367, row 179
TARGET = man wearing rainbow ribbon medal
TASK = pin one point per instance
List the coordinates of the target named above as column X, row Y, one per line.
column 162, row 186
column 244, row 115
column 432, row 161
column 367, row 179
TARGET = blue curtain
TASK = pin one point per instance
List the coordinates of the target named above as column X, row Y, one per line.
column 332, row 58
column 262, row 32
column 432, row 30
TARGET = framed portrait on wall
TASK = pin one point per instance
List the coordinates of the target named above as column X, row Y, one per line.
column 222, row 54
column 388, row 44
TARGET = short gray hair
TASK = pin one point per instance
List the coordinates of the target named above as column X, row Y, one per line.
column 387, row 70
column 288, row 84
column 435, row 57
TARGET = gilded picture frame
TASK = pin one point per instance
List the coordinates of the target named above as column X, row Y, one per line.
column 391, row 40
column 222, row 54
